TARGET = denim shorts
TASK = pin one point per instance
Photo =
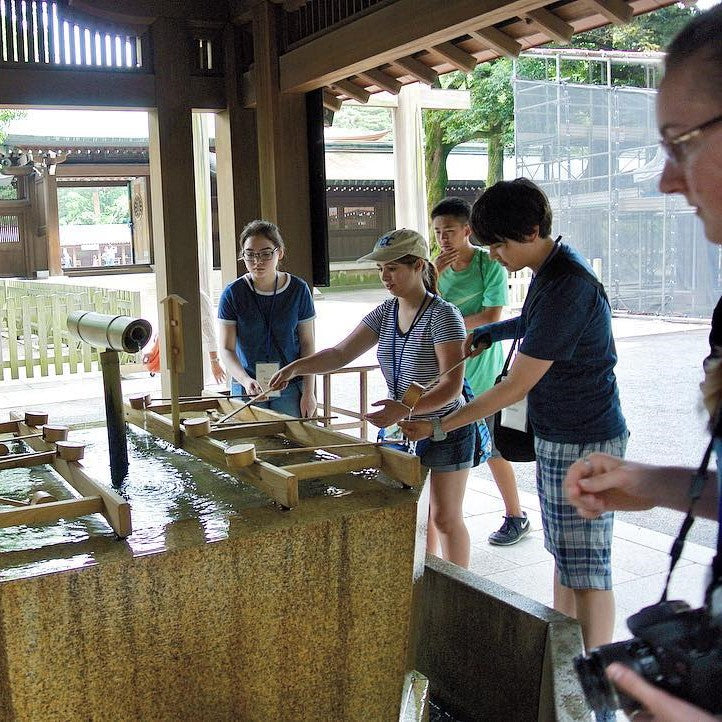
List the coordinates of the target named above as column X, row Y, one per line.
column 582, row 548
column 455, row 452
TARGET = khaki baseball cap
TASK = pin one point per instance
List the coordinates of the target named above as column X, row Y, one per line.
column 397, row 244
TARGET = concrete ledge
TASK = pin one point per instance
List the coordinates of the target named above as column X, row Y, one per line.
column 492, row 654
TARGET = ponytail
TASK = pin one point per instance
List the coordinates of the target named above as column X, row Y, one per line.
column 431, row 276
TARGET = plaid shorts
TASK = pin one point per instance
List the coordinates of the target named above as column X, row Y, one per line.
column 582, row 548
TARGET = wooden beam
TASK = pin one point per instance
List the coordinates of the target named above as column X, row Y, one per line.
column 460, row 59
column 331, row 467
column 497, row 41
column 416, row 69
column 359, row 46
column 552, row 25
column 16, row 461
column 382, row 80
column 352, row 90
column 331, row 102
column 616, row 11
column 112, row 506
column 52, row 511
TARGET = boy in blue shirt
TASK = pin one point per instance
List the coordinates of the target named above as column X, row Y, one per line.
column 565, row 368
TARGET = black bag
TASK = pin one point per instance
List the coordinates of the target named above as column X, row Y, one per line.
column 513, row 445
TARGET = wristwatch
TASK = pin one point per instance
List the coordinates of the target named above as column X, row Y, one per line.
column 439, row 434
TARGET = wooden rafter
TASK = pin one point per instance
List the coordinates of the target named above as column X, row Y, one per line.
column 381, row 80
column 347, row 87
column 331, row 102
column 460, row 59
column 552, row 25
column 616, row 11
column 417, row 70
column 497, row 41
column 339, row 54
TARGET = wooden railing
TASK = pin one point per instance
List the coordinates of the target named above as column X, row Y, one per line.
column 33, row 329
column 329, row 408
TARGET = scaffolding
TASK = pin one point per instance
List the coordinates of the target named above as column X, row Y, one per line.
column 592, row 144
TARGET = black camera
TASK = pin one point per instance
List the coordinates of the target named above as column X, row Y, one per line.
column 676, row 648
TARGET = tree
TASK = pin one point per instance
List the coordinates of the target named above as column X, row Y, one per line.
column 490, row 119
column 6, row 117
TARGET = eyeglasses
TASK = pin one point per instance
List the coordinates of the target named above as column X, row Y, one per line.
column 677, row 149
column 265, row 255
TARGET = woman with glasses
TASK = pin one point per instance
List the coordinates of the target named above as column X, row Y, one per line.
column 266, row 319
column 419, row 338
column 689, row 114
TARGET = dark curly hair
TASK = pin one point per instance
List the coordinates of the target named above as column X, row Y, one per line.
column 510, row 210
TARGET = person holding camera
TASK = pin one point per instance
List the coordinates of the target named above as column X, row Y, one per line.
column 689, row 114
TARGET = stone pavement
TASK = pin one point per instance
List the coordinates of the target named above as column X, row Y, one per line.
column 640, row 556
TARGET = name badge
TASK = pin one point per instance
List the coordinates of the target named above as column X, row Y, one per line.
column 264, row 373
column 514, row 416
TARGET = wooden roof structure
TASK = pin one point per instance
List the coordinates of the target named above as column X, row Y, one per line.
column 267, row 69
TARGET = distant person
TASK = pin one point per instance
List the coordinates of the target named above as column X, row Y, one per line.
column 478, row 287
column 266, row 318
column 65, row 260
column 208, row 330
column 419, row 336
column 565, row 369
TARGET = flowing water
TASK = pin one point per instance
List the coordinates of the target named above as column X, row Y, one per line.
column 175, row 498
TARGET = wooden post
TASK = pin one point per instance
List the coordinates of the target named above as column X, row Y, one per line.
column 173, row 318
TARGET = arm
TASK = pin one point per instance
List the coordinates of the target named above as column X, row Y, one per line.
column 447, row 389
column 488, row 315
column 361, row 339
column 228, row 354
column 307, row 343
column 524, row 374
column 601, row 482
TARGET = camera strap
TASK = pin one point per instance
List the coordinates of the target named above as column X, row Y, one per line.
column 696, row 487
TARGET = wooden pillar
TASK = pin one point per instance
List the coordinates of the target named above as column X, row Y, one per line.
column 409, row 172
column 52, row 223
column 173, row 195
column 239, row 199
column 282, row 146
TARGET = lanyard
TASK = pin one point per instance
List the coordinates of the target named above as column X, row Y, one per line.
column 268, row 320
column 396, row 368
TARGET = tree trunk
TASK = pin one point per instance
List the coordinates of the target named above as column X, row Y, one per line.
column 437, row 178
column 495, row 159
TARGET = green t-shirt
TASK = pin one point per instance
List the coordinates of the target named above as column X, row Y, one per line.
column 481, row 284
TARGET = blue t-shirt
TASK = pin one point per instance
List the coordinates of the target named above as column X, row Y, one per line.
column 411, row 356
column 569, row 322
column 251, row 311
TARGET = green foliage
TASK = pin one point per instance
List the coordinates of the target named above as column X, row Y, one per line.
column 359, row 116
column 92, row 206
column 6, row 117
column 651, row 31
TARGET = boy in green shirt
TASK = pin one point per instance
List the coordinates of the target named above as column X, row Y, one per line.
column 474, row 283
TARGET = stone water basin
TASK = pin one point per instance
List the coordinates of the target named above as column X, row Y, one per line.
column 219, row 606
